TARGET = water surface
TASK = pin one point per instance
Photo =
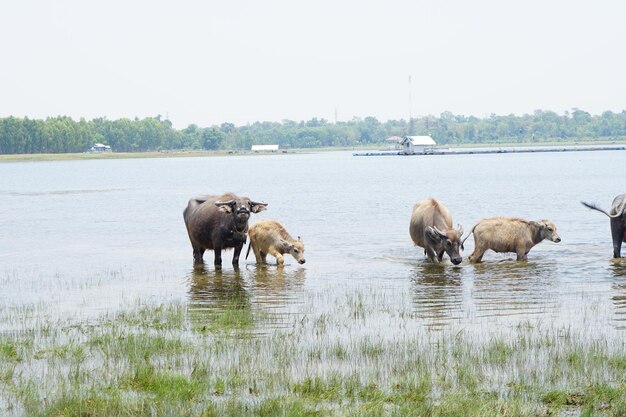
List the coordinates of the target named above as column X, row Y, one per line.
column 78, row 238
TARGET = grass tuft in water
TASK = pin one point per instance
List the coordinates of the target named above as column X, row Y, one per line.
column 9, row 351
column 164, row 385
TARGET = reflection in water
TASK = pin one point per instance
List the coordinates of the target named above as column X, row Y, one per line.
column 258, row 297
column 437, row 293
column 219, row 300
column 216, row 288
column 618, row 269
column 274, row 287
column 515, row 288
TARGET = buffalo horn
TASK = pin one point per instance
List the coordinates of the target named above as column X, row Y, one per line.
column 460, row 229
column 254, row 203
column 440, row 232
column 224, row 203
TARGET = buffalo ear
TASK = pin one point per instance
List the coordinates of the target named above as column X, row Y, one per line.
column 258, row 207
column 225, row 208
column 538, row 225
column 286, row 246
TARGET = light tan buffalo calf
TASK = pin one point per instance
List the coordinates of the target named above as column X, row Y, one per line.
column 270, row 237
column 510, row 234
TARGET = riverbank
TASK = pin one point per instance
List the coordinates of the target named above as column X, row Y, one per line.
column 203, row 153
column 107, row 155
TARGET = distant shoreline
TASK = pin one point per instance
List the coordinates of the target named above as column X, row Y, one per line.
column 204, row 153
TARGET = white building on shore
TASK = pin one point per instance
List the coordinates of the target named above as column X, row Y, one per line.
column 264, row 148
column 99, row 147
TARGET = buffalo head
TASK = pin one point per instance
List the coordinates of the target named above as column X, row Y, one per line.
column 547, row 230
column 241, row 207
column 296, row 249
column 449, row 241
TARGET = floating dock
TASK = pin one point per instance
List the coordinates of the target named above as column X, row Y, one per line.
column 478, row 151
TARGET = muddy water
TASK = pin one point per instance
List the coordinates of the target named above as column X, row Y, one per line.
column 78, row 238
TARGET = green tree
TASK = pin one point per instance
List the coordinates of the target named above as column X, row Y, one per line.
column 212, row 138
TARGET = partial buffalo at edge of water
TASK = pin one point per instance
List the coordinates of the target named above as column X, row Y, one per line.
column 617, row 214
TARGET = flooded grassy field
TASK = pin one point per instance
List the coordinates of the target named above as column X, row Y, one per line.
column 102, row 311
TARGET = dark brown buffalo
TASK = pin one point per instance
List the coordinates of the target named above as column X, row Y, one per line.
column 219, row 222
column 618, row 222
column 431, row 229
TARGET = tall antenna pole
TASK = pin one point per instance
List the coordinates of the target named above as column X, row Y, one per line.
column 410, row 109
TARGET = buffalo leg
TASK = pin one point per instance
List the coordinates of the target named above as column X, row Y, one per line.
column 197, row 255
column 477, row 255
column 280, row 260
column 440, row 256
column 431, row 255
column 257, row 253
column 617, row 233
column 236, row 254
column 522, row 255
column 218, row 256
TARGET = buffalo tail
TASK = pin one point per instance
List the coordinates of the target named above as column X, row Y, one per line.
column 249, row 246
column 594, row 207
column 468, row 235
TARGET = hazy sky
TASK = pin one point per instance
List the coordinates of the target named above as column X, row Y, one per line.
column 208, row 62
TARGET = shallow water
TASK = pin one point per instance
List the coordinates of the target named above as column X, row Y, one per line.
column 78, row 238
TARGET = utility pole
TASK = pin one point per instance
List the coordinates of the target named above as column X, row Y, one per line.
column 411, row 125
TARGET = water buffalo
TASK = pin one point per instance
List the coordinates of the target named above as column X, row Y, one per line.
column 510, row 234
column 270, row 237
column 618, row 222
column 219, row 222
column 431, row 229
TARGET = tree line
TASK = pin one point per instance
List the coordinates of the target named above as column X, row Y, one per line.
column 63, row 134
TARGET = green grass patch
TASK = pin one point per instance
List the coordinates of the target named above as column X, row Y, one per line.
column 94, row 405
column 618, row 362
column 137, row 347
column 498, row 352
column 155, row 360
column 164, row 317
column 286, row 406
column 9, row 351
column 68, row 351
column 165, row 385
column 318, row 389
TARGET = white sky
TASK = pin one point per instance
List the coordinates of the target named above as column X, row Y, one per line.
column 214, row 61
